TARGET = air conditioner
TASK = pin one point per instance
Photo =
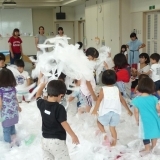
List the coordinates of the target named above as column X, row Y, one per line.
column 9, row 4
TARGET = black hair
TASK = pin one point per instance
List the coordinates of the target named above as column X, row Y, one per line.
column 123, row 46
column 80, row 45
column 2, row 57
column 40, row 28
column 62, row 76
column 120, row 61
column 55, row 88
column 92, row 52
column 15, row 30
column 146, row 85
column 146, row 56
column 109, row 77
column 141, row 76
column 19, row 63
column 60, row 29
column 155, row 56
column 132, row 35
column 7, row 78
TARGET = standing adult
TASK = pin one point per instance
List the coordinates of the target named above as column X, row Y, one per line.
column 40, row 38
column 60, row 32
column 15, row 46
column 134, row 45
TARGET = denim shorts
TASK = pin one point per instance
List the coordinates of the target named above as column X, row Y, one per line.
column 8, row 132
column 111, row 119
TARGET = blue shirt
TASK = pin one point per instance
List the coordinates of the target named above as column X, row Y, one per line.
column 149, row 119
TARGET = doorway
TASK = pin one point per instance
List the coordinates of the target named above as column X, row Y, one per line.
column 68, row 28
column 82, row 32
column 153, row 32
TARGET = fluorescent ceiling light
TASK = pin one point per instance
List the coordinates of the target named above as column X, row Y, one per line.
column 71, row 1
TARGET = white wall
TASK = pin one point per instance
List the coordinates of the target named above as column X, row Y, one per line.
column 80, row 12
column 143, row 5
column 43, row 17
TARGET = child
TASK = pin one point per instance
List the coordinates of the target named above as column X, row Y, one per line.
column 155, row 72
column 143, row 67
column 23, row 80
column 2, row 61
column 109, row 105
column 15, row 46
column 87, row 87
column 124, row 50
column 146, row 113
column 122, row 70
column 54, row 122
column 8, row 105
column 134, row 45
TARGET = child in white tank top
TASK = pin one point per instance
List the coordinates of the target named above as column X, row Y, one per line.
column 109, row 105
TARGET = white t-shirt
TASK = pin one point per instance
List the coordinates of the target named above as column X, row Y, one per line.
column 155, row 68
column 111, row 101
column 61, row 36
column 84, row 88
column 21, row 80
column 125, row 53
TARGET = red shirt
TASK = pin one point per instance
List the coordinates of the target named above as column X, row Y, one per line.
column 15, row 44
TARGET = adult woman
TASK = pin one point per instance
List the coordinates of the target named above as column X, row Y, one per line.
column 15, row 46
column 40, row 38
column 134, row 45
column 60, row 32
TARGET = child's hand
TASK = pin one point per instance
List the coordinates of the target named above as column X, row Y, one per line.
column 75, row 140
column 19, row 109
column 130, row 113
column 94, row 112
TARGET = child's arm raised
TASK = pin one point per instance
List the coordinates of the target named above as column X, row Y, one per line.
column 89, row 86
column 125, row 104
column 40, row 90
column 68, row 129
column 136, row 114
column 100, row 97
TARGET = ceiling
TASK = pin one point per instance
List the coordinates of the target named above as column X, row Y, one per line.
column 45, row 3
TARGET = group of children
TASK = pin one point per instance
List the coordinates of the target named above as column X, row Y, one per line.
column 108, row 102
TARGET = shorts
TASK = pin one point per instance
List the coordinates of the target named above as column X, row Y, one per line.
column 22, row 96
column 85, row 100
column 157, row 85
column 54, row 149
column 111, row 119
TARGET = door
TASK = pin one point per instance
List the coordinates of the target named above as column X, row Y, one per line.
column 152, row 32
column 68, row 28
column 82, row 32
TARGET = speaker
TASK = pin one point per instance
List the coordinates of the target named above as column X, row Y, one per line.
column 60, row 15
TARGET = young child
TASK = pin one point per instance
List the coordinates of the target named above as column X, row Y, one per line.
column 122, row 70
column 23, row 80
column 109, row 105
column 155, row 72
column 124, row 50
column 143, row 67
column 146, row 113
column 54, row 122
column 2, row 61
column 8, row 105
column 87, row 87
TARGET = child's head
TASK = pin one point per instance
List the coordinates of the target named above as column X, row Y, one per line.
column 80, row 45
column 20, row 65
column 2, row 60
column 123, row 48
column 146, row 85
column 141, row 76
column 109, row 77
column 154, row 58
column 120, row 61
column 16, row 32
column 7, row 78
column 62, row 77
column 133, row 36
column 144, row 58
column 56, row 88
column 60, row 30
column 92, row 53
